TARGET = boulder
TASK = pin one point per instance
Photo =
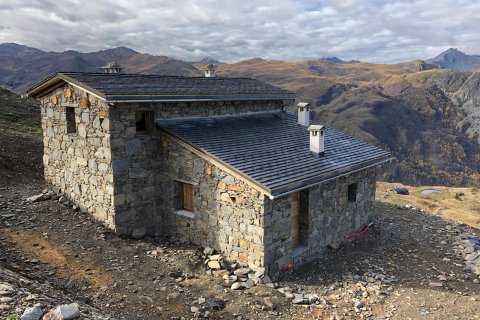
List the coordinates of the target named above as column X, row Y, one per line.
column 214, row 264
column 402, row 191
column 33, row 313
column 242, row 271
column 36, row 198
column 139, row 233
column 63, row 312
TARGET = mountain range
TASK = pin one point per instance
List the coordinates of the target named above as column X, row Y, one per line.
column 424, row 111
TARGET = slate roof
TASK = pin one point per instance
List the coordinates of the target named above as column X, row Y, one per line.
column 272, row 150
column 114, row 87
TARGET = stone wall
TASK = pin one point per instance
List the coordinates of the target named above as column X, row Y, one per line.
column 137, row 161
column 330, row 217
column 137, row 158
column 79, row 163
column 228, row 213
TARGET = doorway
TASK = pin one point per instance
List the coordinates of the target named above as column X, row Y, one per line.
column 299, row 213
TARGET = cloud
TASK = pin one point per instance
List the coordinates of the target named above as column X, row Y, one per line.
column 229, row 30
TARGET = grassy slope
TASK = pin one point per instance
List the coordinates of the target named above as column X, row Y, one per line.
column 21, row 146
column 449, row 204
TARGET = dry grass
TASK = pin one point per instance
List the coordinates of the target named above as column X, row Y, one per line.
column 449, row 203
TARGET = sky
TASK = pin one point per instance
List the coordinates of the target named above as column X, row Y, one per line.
column 370, row 30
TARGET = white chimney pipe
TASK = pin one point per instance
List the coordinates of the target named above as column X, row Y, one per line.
column 317, row 139
column 210, row 71
column 303, row 113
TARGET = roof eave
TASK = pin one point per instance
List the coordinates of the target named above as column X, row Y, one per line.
column 325, row 177
column 52, row 82
column 284, row 190
column 180, row 98
column 36, row 90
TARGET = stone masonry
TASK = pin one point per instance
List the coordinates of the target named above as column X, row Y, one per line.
column 79, row 164
column 138, row 159
column 330, row 217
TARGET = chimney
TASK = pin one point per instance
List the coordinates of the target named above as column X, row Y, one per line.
column 112, row 67
column 210, row 71
column 317, row 139
column 303, row 113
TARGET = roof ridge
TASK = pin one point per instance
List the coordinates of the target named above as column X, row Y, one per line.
column 154, row 76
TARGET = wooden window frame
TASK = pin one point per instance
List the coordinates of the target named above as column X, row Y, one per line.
column 187, row 197
column 148, row 121
column 70, row 119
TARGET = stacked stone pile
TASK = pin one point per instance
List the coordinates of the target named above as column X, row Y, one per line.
column 467, row 246
column 237, row 277
column 362, row 293
column 53, row 195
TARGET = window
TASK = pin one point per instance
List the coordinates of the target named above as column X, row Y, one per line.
column 70, row 117
column 187, row 197
column 144, row 121
column 183, row 196
column 352, row 192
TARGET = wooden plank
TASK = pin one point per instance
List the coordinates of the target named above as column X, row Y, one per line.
column 187, row 195
column 295, row 231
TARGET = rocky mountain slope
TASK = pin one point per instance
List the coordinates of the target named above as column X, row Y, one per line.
column 22, row 66
column 456, row 59
column 427, row 116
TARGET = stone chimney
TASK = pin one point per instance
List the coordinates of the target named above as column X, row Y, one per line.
column 303, row 113
column 210, row 71
column 112, row 67
column 317, row 139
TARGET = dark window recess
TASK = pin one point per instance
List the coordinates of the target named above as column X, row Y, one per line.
column 183, row 196
column 144, row 121
column 70, row 116
column 352, row 192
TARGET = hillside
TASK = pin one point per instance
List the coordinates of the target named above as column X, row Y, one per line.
column 22, row 66
column 21, row 145
column 459, row 205
column 427, row 116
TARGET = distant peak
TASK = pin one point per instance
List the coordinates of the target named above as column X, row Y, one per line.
column 453, row 58
column 338, row 60
column 454, row 51
column 209, row 60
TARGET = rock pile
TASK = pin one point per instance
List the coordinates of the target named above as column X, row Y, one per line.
column 357, row 294
column 467, row 246
column 236, row 277
column 26, row 299
column 47, row 194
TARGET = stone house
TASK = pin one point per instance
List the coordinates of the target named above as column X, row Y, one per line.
column 215, row 161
